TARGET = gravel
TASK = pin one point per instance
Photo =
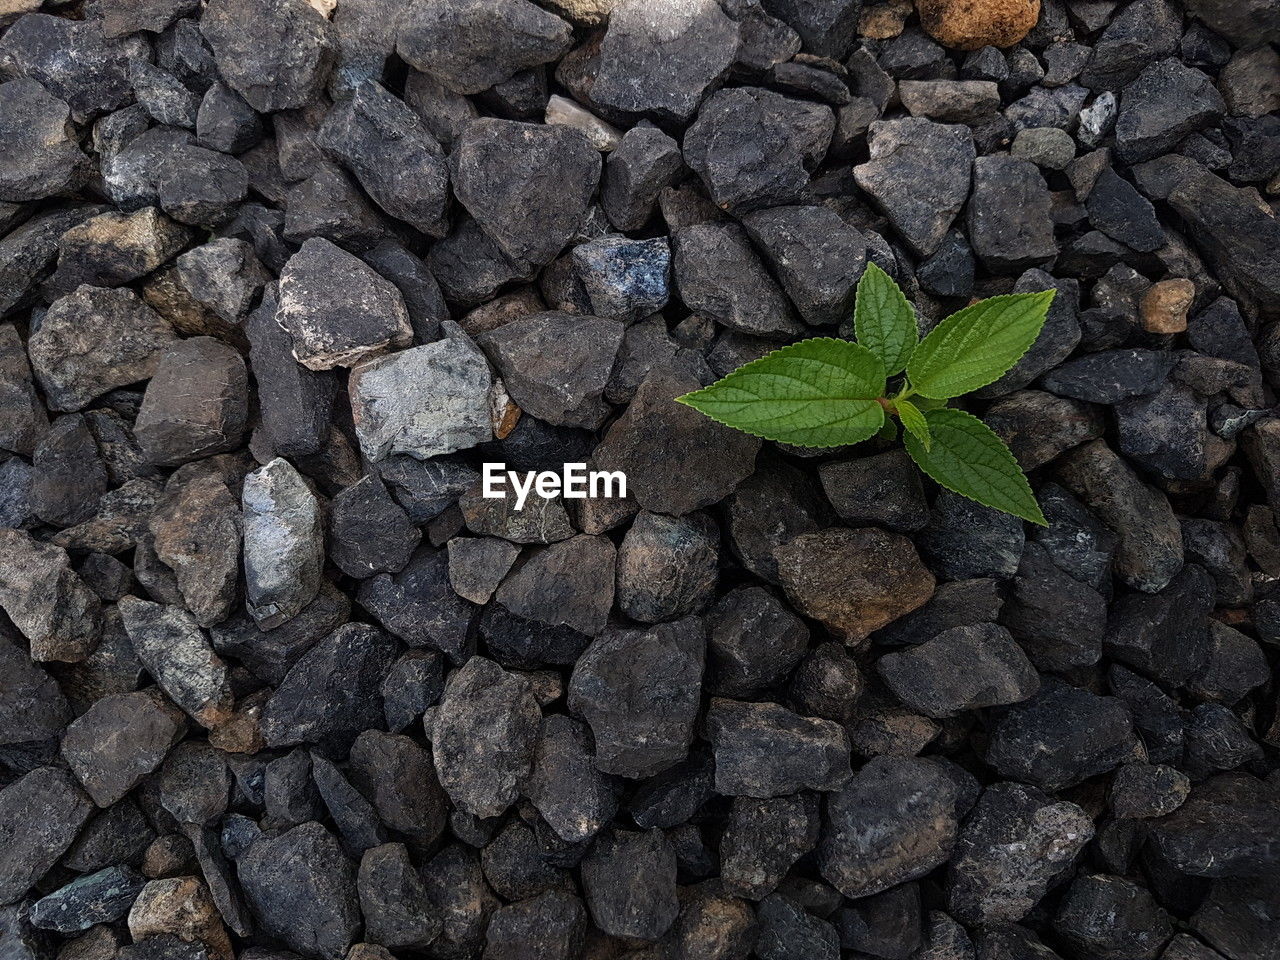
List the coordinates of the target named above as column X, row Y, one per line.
column 278, row 680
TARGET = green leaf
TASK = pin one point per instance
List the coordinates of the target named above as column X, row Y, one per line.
column 967, row 458
column 977, row 345
column 883, row 321
column 821, row 392
column 889, row 430
column 913, row 422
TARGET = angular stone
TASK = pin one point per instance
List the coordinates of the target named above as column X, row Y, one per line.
column 419, row 606
column 42, row 158
column 392, row 153
column 639, row 692
column 918, row 175
column 302, row 889
column 181, row 909
column 178, row 656
column 754, row 642
column 119, row 740
column 223, row 275
column 663, row 68
column 165, row 166
column 478, row 564
column 667, row 567
column 164, row 98
column 763, row 839
column 398, row 914
column 46, row 600
column 624, row 279
column 40, row 815
column 629, row 882
column 1118, row 210
column 101, row 897
column 338, row 310
column 1058, row 620
column 24, row 418
column 556, row 365
column 484, row 736
column 764, row 750
column 396, row 776
column 1140, row 33
column 225, row 122
column 551, row 924
column 1149, row 549
column 283, row 543
column 1142, row 790
column 471, row 48
column 69, row 478
column 32, row 707
column 566, row 584
column 1111, row 376
column 564, row 786
column 114, row 248
column 645, row 162
column 270, row 654
column 658, row 445
column 1014, row 845
column 719, row 276
column 529, row 187
column 275, row 53
column 1009, row 218
column 964, row 668
column 1163, row 105
column 196, row 532
column 424, row 401
column 197, row 403
column 1165, row 634
column 369, row 532
column 853, row 581
column 72, row 59
column 1039, row 427
column 542, row 520
column 894, row 821
column 95, row 340
column 753, row 148
column 1226, row 828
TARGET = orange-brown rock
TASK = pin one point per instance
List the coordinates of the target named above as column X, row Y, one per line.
column 971, row 24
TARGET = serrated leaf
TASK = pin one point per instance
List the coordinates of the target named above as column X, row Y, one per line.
column 977, row 345
column 821, row 392
column 913, row 422
column 883, row 321
column 968, row 458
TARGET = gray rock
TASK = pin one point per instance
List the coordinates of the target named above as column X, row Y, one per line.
column 950, row 101
column 276, row 54
column 1163, row 105
column 164, row 166
column 639, row 692
column 667, row 566
column 101, row 897
column 1111, row 376
column 918, row 175
column 964, row 668
column 629, row 882
column 46, row 600
column 894, row 821
column 395, row 774
column 1140, row 33
column 163, row 96
column 1058, row 338
column 624, row 279
column 1165, row 635
column 556, row 365
column 1047, row 147
column 569, row 584
column 40, row 815
column 1058, row 620
column 424, row 401
column 817, row 256
column 478, row 564
column 69, row 478
column 484, row 736
column 1014, row 845
column 196, row 532
column 392, row 153
column 1009, row 219
column 786, row 931
column 1118, row 210
column 178, row 656
column 338, row 310
column 884, row 489
column 754, row 642
column 369, row 533
column 827, row 30
column 72, row 59
column 753, row 148
column 33, row 709
column 95, row 340
column 302, row 889
column 529, row 187
column 283, row 543
column 663, row 68
column 196, row 405
column 470, row 49
column 719, row 276
column 645, row 162
column 553, row 923
column 764, row 750
column 398, row 913
column 542, row 520
column 1112, row 918
column 113, row 745
column 225, row 122
column 762, row 840
column 24, row 418
column 224, row 275
column 564, row 786
column 329, row 204
column 1166, row 433
column 42, row 158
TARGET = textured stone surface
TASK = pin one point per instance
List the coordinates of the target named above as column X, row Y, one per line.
column 283, row 543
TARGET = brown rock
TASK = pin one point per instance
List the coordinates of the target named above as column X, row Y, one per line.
column 884, row 21
column 1165, row 306
column 181, row 907
column 972, row 24
column 853, row 581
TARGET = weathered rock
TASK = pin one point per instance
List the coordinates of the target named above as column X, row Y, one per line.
column 225, row 122
column 638, row 691
column 1014, row 845
column 270, row 654
column 337, row 309
column 1118, row 210
column 32, row 706
column 1165, row 634
column 663, row 68
column 1142, row 790
column 918, row 175
column 1111, row 918
column 1058, row 620
column 753, row 644
column 283, row 543
column 40, row 815
column 541, row 520
column 754, row 148
column 46, row 600
column 1163, row 105
column 764, row 750
column 119, row 740
column 573, row 797
column 629, row 882
column 556, row 365
column 165, row 166
column 528, row 187
column 763, row 839
column 645, row 162
column 392, row 153
column 553, row 923
column 667, row 567
column 418, row 605
column 853, row 581
column 72, row 59
column 333, row 691
column 69, row 478
column 397, row 911
column 182, row 908
column 424, row 401
column 1039, row 427
column 114, row 248
column 569, row 584
column 1009, row 218
column 223, row 275
column 42, row 158
column 25, row 419
column 369, row 532
column 101, row 897
column 93, row 341
column 991, row 23
column 178, row 656
column 484, row 736
column 893, row 822
column 884, row 489
column 624, row 279
column 302, row 889
column 196, row 405
column 276, row 54
column 196, row 532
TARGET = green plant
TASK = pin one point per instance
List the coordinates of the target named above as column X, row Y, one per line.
column 826, row 392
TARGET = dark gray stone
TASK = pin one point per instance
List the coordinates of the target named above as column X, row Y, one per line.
column 1009, row 218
